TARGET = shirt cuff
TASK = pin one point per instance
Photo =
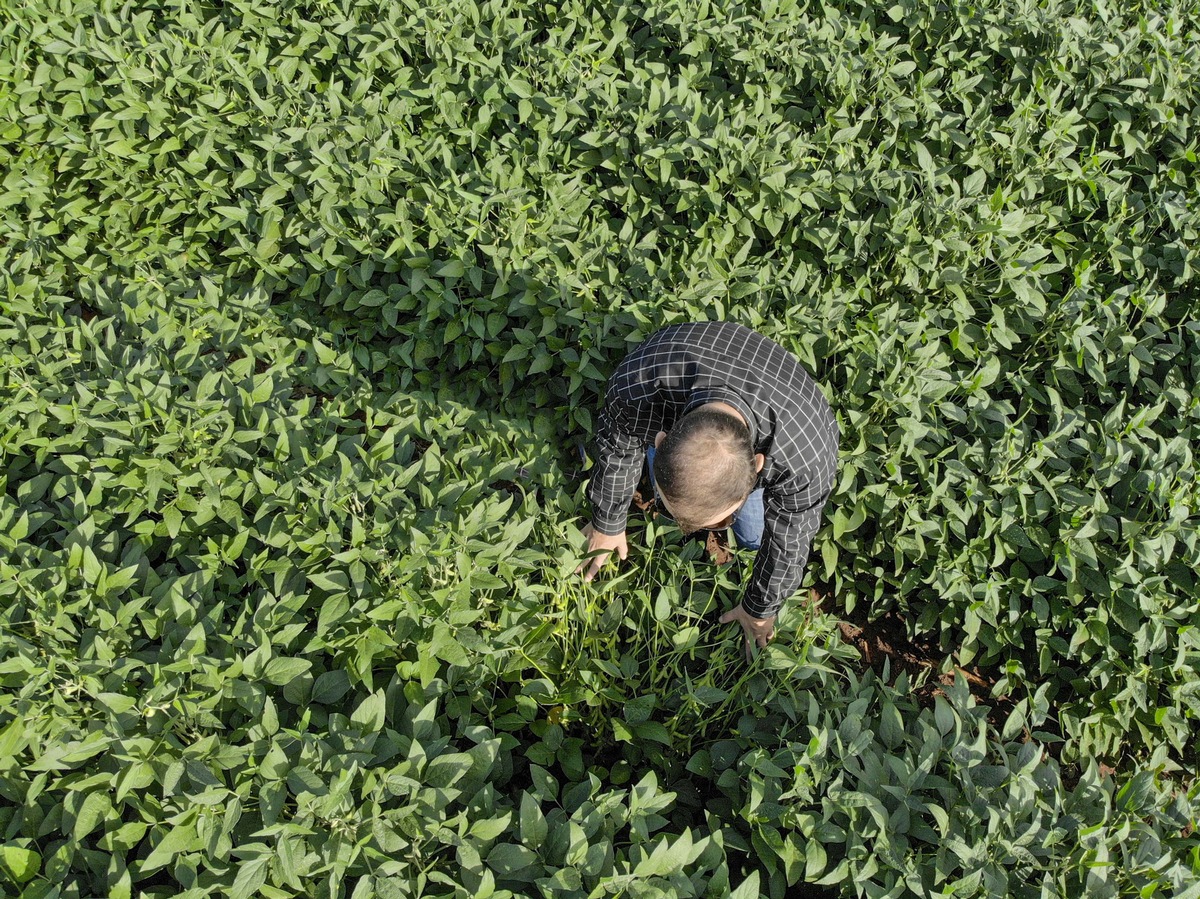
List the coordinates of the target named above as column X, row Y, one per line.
column 609, row 524
column 759, row 610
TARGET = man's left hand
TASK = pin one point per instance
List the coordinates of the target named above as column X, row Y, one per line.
column 759, row 631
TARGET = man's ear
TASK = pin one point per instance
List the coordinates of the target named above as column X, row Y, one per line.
column 658, row 439
column 759, row 461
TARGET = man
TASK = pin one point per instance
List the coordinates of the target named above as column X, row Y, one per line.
column 738, row 433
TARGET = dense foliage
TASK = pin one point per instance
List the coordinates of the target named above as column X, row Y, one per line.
column 306, row 308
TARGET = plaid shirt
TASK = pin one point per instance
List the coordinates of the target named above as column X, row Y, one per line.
column 684, row 366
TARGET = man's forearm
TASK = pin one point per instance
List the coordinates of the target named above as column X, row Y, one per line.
column 618, row 466
column 610, row 493
column 779, row 565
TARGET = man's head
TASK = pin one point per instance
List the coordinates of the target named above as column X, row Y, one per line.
column 705, row 467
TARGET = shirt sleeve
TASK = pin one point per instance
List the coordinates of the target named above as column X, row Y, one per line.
column 792, row 518
column 619, row 456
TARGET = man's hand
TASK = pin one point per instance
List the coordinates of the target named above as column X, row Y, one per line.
column 603, row 545
column 759, row 631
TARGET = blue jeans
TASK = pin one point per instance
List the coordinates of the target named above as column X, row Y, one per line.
column 748, row 521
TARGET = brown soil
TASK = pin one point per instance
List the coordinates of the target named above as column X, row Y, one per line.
column 717, row 545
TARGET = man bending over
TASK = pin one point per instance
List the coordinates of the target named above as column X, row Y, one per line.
column 736, row 433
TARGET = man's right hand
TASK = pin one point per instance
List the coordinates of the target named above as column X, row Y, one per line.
column 602, row 545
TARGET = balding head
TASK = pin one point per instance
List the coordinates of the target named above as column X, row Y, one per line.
column 704, row 465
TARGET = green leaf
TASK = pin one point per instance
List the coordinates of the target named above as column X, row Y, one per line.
column 61, row 756
column 173, row 519
column 251, row 876
column 92, row 814
column 371, row 713
column 653, row 731
column 447, row 770
column 331, row 581
column 325, row 355
column 567, row 880
column 333, row 611
column 815, row 860
column 747, row 889
column 533, row 823
column 509, row 859
column 330, row 687
column 13, row 739
column 116, row 702
column 281, row 671
column 446, row 646
column 488, row 829
column 545, row 787
column 19, row 865
column 180, row 837
column 302, row 780
column 662, row 604
column 640, row 709
column 891, row 725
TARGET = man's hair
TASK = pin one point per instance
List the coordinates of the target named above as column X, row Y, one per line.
column 704, row 465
